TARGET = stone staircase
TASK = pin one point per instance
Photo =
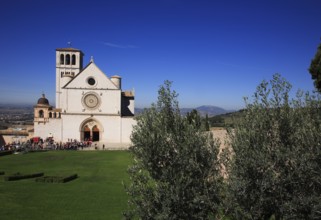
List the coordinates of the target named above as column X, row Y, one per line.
column 108, row 146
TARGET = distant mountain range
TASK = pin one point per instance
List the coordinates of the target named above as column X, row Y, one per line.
column 15, row 105
column 210, row 110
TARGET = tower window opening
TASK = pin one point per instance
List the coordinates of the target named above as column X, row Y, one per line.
column 73, row 59
column 62, row 59
column 68, row 59
column 62, row 74
column 41, row 114
column 50, row 114
column 55, row 115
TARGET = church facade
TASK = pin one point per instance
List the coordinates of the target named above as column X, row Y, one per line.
column 89, row 105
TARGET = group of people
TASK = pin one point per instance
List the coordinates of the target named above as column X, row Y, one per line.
column 49, row 144
column 8, row 147
column 69, row 145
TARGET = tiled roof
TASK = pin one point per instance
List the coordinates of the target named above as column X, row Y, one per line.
column 56, row 110
column 13, row 132
column 128, row 94
column 68, row 49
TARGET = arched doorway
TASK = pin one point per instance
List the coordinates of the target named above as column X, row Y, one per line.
column 95, row 131
column 91, row 130
column 86, row 133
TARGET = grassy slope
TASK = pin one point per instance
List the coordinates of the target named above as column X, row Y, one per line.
column 98, row 193
column 226, row 120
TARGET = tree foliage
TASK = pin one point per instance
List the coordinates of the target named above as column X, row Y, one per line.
column 315, row 69
column 194, row 118
column 206, row 123
column 175, row 174
column 275, row 169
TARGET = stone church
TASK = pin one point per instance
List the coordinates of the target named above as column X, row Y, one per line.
column 89, row 105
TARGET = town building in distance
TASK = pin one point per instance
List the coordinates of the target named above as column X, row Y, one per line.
column 89, row 105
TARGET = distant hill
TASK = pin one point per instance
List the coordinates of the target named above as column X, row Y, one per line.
column 226, row 120
column 139, row 111
column 15, row 106
column 210, row 110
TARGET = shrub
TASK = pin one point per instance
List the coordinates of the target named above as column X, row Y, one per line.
column 7, row 152
column 275, row 169
column 175, row 174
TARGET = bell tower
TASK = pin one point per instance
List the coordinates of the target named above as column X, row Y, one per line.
column 69, row 62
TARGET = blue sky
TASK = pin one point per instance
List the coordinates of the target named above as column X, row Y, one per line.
column 215, row 51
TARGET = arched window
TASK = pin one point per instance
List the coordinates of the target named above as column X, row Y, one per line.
column 62, row 59
column 55, row 115
column 67, row 59
column 50, row 114
column 86, row 128
column 41, row 115
column 73, row 59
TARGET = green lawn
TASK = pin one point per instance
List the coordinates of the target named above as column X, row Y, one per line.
column 98, row 193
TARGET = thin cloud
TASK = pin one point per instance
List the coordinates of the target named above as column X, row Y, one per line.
column 108, row 44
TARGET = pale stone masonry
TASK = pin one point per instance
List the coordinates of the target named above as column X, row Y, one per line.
column 89, row 105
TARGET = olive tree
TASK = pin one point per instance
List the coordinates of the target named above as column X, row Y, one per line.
column 175, row 173
column 194, row 117
column 315, row 69
column 276, row 146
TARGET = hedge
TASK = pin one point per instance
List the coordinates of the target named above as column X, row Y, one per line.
column 56, row 179
column 19, row 176
column 7, row 152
